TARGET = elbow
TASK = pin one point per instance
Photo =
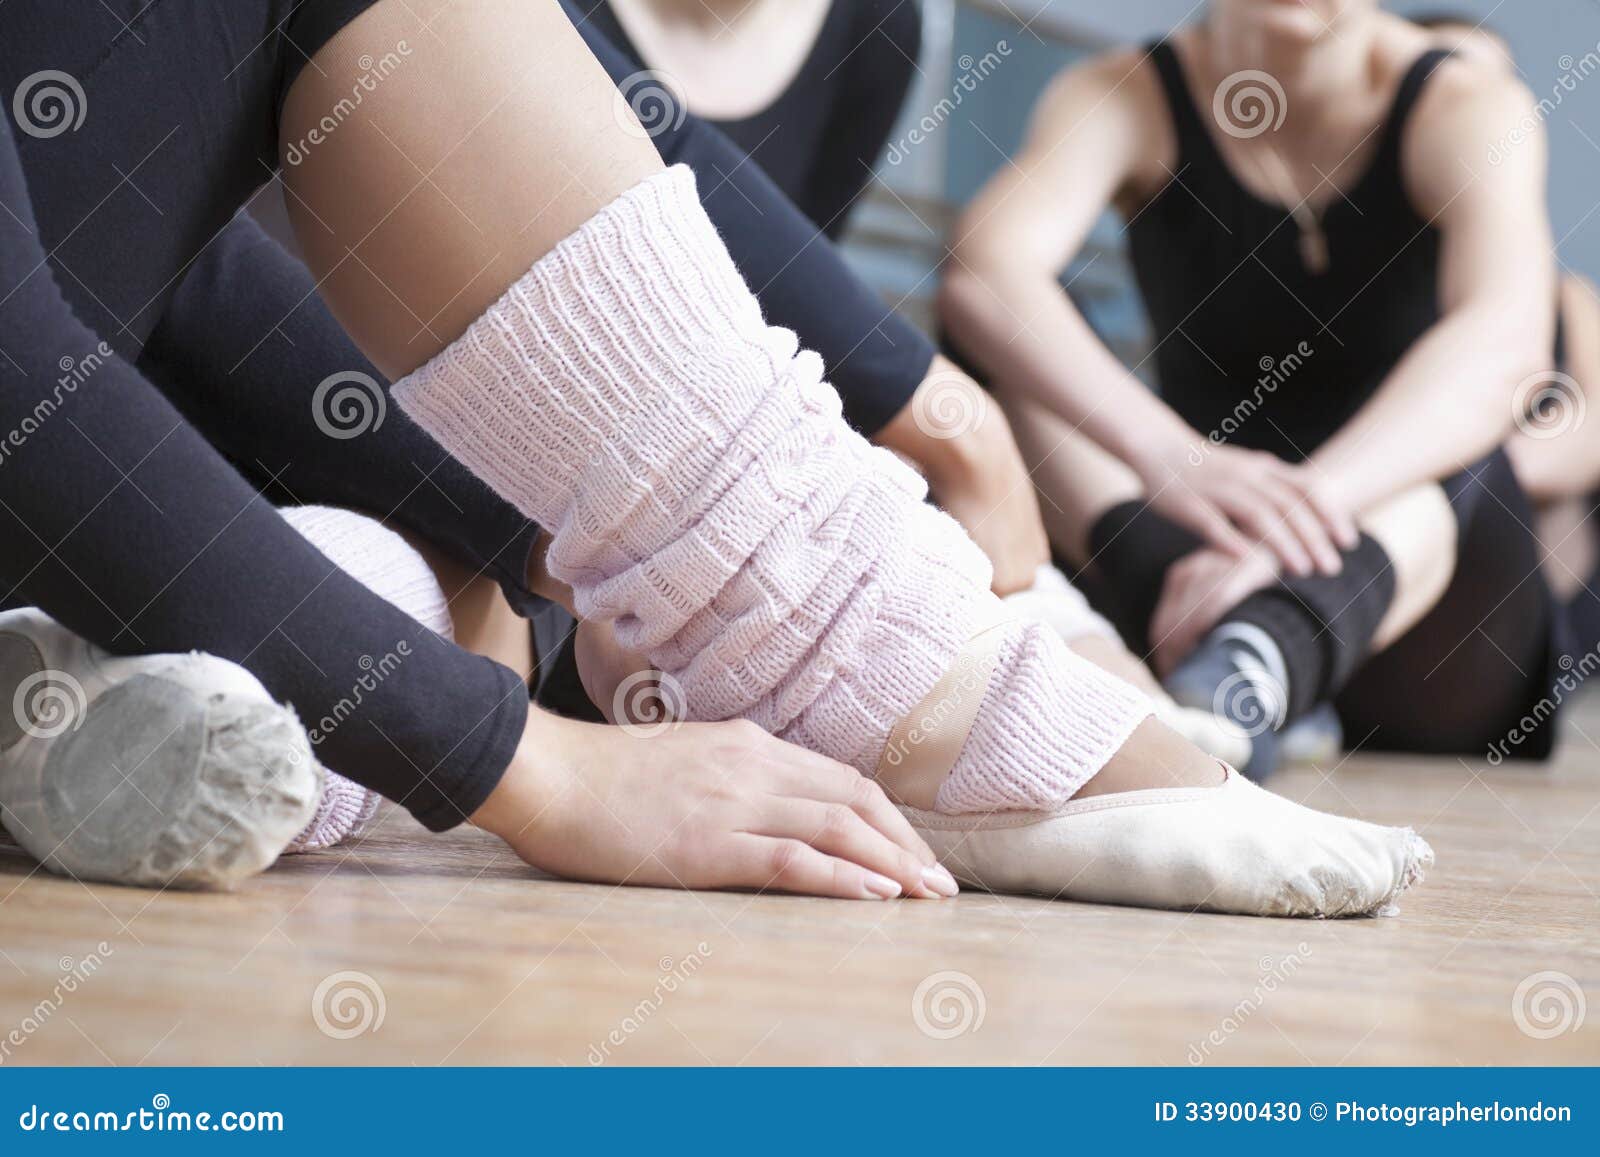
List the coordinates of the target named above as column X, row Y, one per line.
column 957, row 307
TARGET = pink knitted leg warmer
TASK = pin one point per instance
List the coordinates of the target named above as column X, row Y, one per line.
column 386, row 564
column 704, row 493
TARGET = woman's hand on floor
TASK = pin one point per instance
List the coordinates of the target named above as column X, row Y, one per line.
column 703, row 805
column 1235, row 498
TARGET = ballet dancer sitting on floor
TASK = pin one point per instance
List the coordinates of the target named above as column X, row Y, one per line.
column 577, row 335
column 1344, row 294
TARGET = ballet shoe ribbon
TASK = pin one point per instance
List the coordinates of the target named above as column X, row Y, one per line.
column 923, row 747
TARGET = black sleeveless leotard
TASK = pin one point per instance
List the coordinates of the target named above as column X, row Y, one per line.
column 1231, row 298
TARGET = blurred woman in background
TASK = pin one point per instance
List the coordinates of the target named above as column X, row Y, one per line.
column 1345, row 294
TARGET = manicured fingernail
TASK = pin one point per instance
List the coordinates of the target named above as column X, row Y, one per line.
column 940, row 881
column 882, row 887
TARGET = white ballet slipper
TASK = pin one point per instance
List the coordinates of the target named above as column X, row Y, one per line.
column 160, row 770
column 1232, row 848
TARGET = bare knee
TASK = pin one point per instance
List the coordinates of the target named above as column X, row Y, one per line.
column 1417, row 531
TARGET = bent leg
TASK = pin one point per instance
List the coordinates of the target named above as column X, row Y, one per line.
column 641, row 344
column 703, row 491
column 1077, row 480
column 128, row 528
column 1461, row 679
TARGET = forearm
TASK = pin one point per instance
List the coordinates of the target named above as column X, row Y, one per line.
column 1448, row 402
column 1029, row 339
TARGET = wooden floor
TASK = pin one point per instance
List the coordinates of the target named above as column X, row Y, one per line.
column 469, row 961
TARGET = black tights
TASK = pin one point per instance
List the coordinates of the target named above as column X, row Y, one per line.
column 1463, row 676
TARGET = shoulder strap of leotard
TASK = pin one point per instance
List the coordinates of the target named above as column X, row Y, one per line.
column 1405, row 99
column 1192, row 137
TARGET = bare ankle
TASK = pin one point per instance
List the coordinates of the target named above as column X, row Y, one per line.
column 1154, row 756
column 1111, row 656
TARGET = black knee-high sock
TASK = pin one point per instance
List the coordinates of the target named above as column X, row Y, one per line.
column 1323, row 625
column 1131, row 546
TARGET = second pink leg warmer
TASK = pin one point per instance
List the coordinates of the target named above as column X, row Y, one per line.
column 704, row 493
column 386, row 564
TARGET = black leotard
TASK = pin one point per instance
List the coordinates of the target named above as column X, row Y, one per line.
column 820, row 138
column 1231, row 299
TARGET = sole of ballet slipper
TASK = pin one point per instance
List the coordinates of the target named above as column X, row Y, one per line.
column 1234, row 848
column 160, row 771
